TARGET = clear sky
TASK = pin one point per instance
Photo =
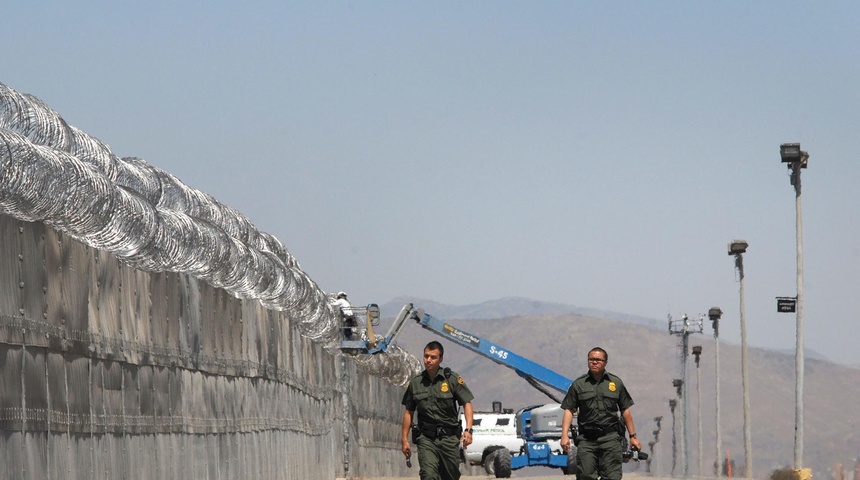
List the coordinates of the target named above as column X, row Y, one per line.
column 599, row 154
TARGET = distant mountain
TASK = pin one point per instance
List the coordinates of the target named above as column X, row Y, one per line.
column 509, row 307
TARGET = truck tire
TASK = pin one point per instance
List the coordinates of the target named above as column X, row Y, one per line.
column 503, row 463
column 571, row 462
column 490, row 462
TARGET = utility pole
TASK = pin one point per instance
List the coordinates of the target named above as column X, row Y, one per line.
column 714, row 313
column 697, row 352
column 683, row 328
column 797, row 160
column 737, row 248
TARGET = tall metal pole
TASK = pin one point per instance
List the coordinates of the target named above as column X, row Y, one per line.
column 683, row 398
column 798, row 356
column 737, row 248
column 697, row 352
column 672, row 403
column 715, row 313
column 797, row 160
column 719, row 457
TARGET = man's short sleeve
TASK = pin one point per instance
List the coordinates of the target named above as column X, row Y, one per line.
column 462, row 392
column 408, row 399
column 625, row 401
column 569, row 401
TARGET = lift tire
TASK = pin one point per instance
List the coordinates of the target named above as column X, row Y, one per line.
column 490, row 462
column 570, row 469
column 503, row 463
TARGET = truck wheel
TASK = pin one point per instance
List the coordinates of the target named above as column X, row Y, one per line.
column 571, row 462
column 490, row 462
column 503, row 463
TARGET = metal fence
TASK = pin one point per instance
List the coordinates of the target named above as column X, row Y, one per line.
column 111, row 372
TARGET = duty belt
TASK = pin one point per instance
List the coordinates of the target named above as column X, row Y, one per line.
column 593, row 433
column 433, row 431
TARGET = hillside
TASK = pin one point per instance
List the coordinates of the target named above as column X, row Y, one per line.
column 647, row 359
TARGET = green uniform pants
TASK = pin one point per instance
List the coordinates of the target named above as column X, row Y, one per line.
column 439, row 459
column 599, row 457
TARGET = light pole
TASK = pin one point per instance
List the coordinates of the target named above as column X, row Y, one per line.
column 737, row 248
column 672, row 404
column 683, row 451
column 714, row 313
column 656, row 440
column 683, row 328
column 697, row 352
column 797, row 160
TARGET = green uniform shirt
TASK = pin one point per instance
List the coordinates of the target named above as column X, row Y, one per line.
column 433, row 398
column 598, row 401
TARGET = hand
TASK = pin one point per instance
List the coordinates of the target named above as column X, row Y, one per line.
column 407, row 452
column 565, row 443
column 467, row 439
column 635, row 443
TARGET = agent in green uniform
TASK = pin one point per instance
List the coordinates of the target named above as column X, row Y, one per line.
column 598, row 396
column 434, row 394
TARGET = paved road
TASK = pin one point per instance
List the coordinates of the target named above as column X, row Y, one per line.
column 547, row 474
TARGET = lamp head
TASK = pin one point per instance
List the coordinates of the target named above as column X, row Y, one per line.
column 791, row 154
column 738, row 247
column 714, row 313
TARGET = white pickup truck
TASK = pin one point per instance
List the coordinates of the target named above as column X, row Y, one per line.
column 491, row 432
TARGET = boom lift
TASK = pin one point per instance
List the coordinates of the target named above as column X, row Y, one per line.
column 539, row 426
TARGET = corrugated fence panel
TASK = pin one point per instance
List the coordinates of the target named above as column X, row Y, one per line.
column 11, row 295
column 77, row 382
column 35, row 389
column 110, row 372
column 33, row 281
column 74, row 285
column 11, row 388
column 107, row 301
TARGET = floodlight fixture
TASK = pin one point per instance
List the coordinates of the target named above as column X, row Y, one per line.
column 679, row 386
column 791, row 154
column 697, row 350
column 738, row 247
column 714, row 313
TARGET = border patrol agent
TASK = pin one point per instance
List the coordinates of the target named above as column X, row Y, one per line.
column 434, row 394
column 599, row 396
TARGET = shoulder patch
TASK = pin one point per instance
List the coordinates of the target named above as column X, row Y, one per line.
column 461, row 381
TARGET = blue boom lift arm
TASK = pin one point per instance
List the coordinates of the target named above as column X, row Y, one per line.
column 537, row 375
column 540, row 377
